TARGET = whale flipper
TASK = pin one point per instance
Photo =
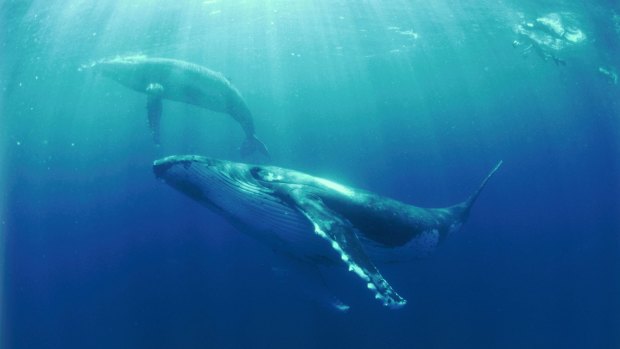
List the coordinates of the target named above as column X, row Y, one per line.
column 254, row 145
column 154, row 108
column 341, row 235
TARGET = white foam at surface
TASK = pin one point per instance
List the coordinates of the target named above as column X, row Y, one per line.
column 552, row 21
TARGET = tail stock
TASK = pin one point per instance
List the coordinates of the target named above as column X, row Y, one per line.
column 253, row 145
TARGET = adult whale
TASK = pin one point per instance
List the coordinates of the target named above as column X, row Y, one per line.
column 176, row 80
column 315, row 219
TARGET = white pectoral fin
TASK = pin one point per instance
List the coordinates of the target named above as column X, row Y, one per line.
column 154, row 108
column 340, row 234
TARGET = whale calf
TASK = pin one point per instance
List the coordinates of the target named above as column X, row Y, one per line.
column 314, row 219
column 176, row 80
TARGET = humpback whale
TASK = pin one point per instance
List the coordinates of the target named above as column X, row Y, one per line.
column 176, row 80
column 314, row 219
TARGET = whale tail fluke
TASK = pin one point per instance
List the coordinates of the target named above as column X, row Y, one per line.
column 464, row 207
column 253, row 145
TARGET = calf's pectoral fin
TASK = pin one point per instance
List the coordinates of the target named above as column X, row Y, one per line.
column 154, row 108
column 340, row 234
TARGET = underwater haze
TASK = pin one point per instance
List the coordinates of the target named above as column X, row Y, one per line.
column 413, row 100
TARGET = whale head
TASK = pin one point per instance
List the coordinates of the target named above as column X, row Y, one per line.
column 126, row 70
column 239, row 193
column 223, row 184
column 189, row 174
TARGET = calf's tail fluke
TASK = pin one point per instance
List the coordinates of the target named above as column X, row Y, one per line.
column 253, row 145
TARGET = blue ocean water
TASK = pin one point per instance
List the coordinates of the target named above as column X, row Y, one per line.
column 409, row 99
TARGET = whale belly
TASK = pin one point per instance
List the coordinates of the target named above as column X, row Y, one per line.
column 207, row 97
